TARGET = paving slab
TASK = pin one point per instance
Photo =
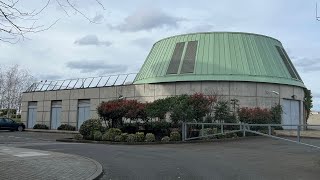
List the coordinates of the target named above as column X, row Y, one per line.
column 29, row 164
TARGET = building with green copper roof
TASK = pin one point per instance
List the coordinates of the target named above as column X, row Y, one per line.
column 253, row 69
column 219, row 56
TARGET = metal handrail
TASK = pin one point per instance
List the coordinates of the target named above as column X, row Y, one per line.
column 244, row 127
column 253, row 124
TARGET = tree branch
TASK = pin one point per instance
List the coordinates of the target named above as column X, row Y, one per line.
column 15, row 22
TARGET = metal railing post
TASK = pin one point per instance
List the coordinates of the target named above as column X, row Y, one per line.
column 298, row 133
column 183, row 131
column 222, row 128
column 269, row 128
column 244, row 130
column 202, row 129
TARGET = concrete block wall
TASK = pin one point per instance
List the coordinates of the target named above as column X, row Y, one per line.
column 249, row 94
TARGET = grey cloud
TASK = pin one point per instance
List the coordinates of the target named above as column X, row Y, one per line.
column 96, row 66
column 307, row 64
column 91, row 40
column 148, row 19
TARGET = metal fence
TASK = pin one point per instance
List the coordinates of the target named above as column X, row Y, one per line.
column 78, row 83
column 267, row 130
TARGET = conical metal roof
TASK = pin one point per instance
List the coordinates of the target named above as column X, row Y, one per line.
column 218, row 56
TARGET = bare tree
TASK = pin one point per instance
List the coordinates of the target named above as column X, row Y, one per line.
column 14, row 80
column 16, row 22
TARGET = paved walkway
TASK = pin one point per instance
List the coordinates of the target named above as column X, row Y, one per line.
column 21, row 164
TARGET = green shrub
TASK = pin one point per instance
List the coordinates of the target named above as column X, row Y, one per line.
column 231, row 135
column 129, row 128
column 66, row 127
column 121, row 138
column 207, row 131
column 150, row 137
column 175, row 136
column 117, row 138
column 131, row 138
column 221, row 136
column 106, row 137
column 140, row 136
column 88, row 127
column 209, row 119
column 97, row 136
column 77, row 136
column 124, row 137
column 159, row 128
column 222, row 111
column 215, row 130
column 40, row 126
column 165, row 139
column 103, row 129
column 113, row 132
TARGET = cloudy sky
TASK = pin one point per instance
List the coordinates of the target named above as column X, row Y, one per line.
column 124, row 32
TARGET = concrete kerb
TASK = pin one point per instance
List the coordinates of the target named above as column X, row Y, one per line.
column 155, row 143
column 99, row 171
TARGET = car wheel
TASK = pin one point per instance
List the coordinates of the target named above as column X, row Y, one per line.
column 20, row 128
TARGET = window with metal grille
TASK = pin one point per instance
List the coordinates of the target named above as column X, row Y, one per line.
column 176, row 58
column 287, row 62
column 189, row 57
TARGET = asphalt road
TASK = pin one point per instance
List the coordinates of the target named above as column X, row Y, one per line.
column 252, row 158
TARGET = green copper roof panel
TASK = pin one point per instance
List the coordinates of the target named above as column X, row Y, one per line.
column 219, row 56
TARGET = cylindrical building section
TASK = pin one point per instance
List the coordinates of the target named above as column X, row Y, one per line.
column 255, row 69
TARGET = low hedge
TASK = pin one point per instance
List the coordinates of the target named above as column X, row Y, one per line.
column 175, row 136
column 112, row 133
column 40, row 126
column 78, row 137
column 97, row 136
column 165, row 139
column 88, row 127
column 131, row 138
column 140, row 136
column 150, row 137
column 66, row 127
